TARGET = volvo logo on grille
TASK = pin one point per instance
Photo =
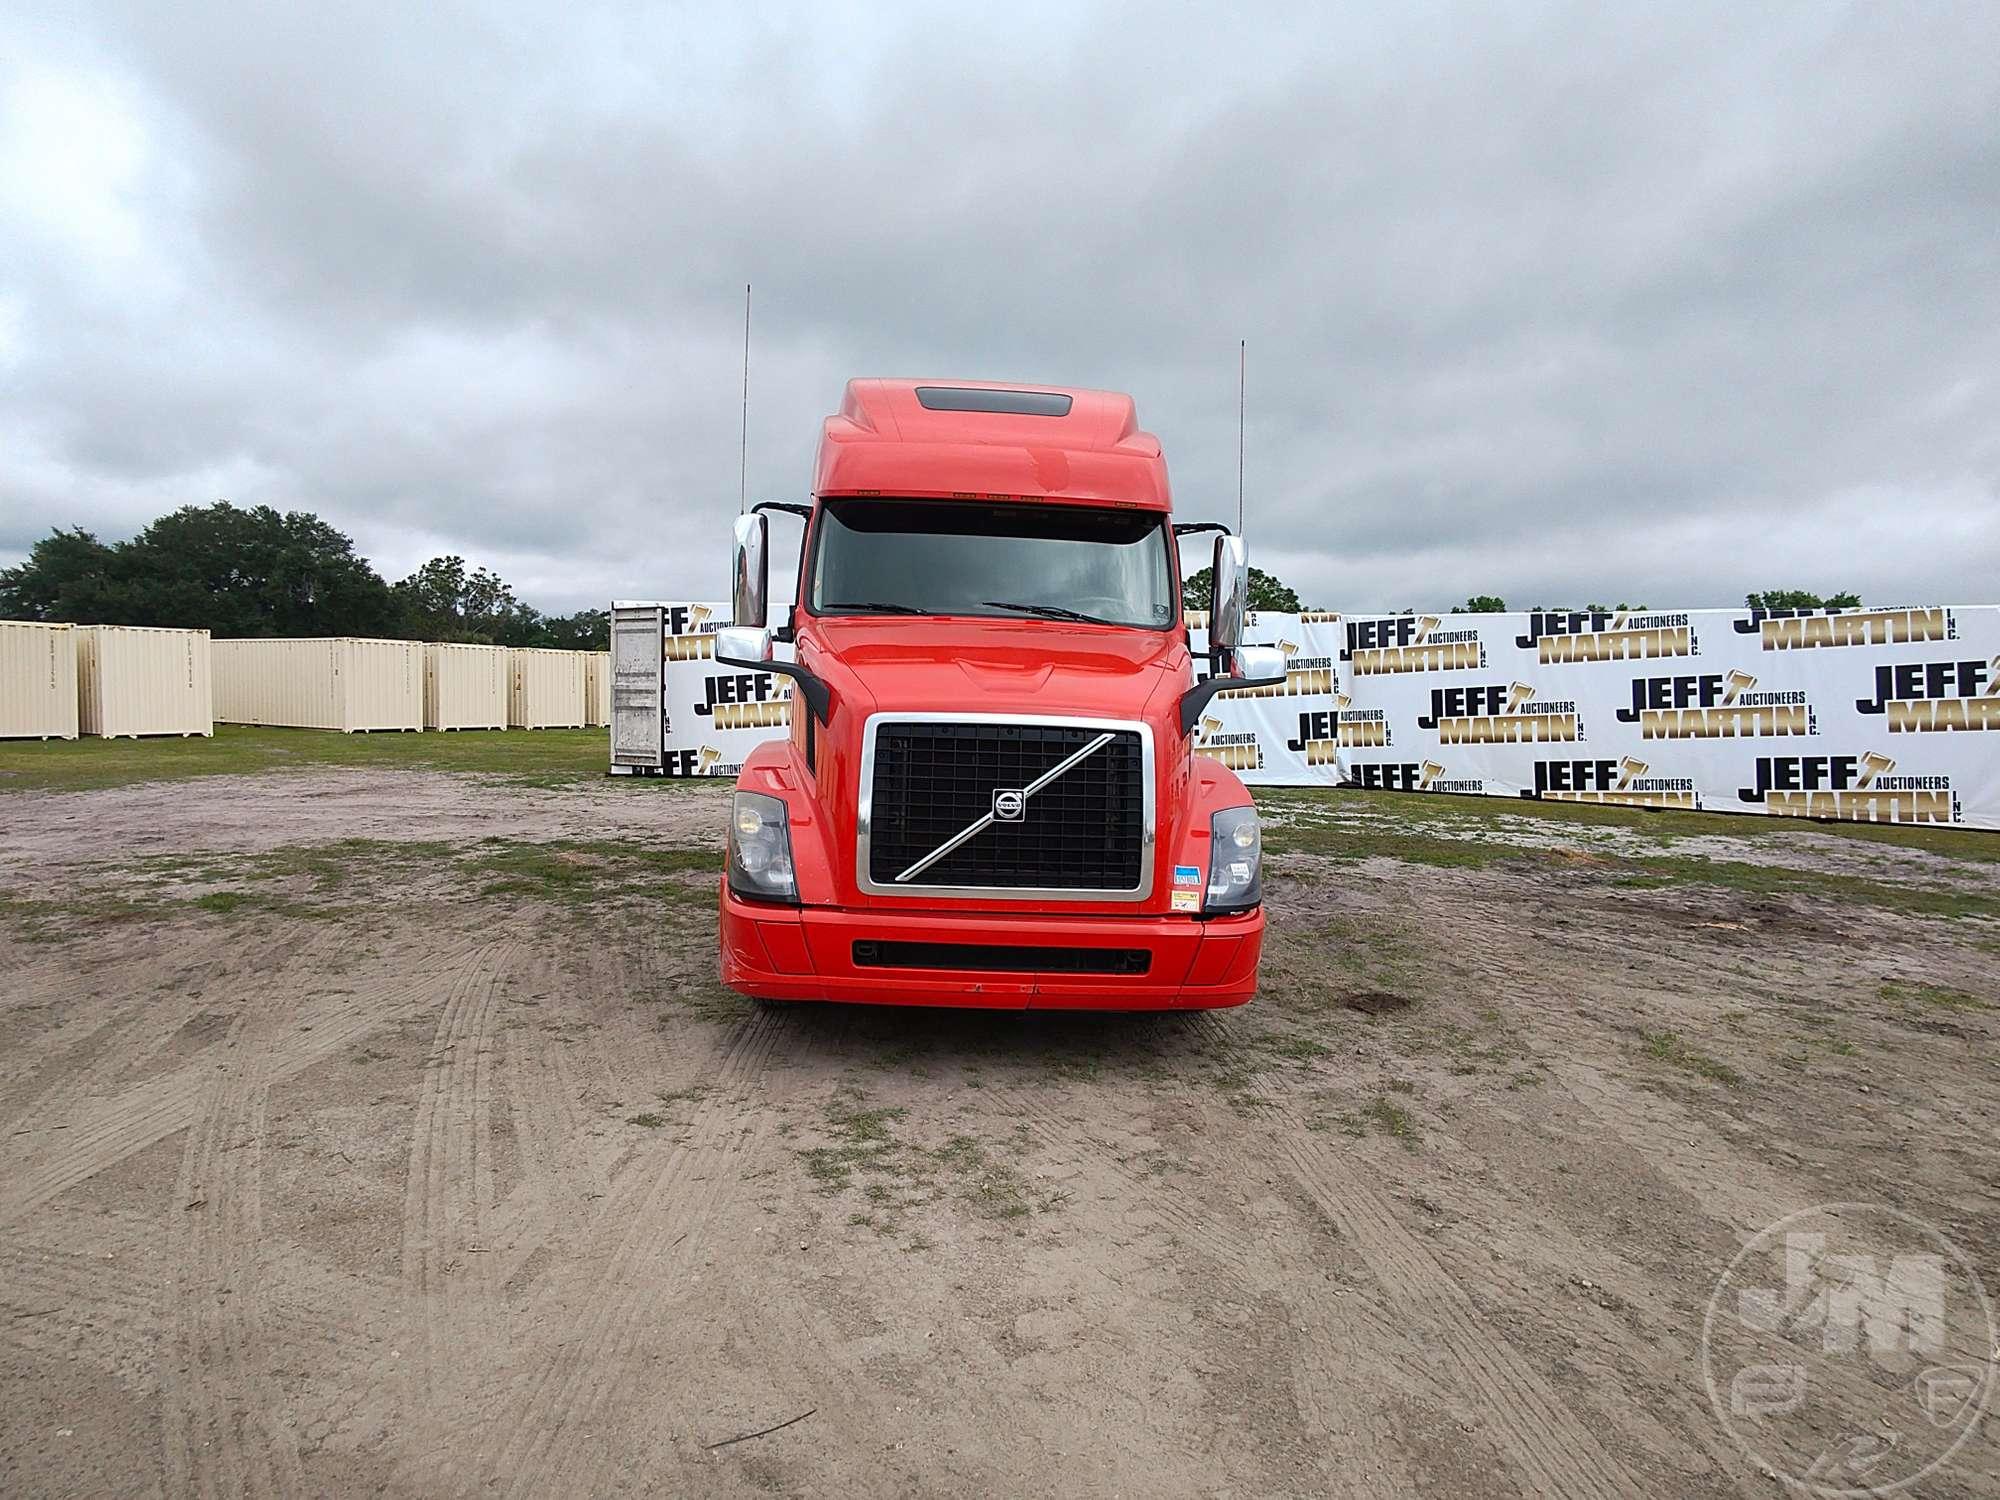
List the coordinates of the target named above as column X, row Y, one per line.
column 1010, row 805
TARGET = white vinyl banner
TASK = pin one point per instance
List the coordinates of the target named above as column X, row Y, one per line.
column 1876, row 715
column 1871, row 715
column 716, row 715
column 1281, row 735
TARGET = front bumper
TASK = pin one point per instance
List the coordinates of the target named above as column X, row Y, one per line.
column 807, row 953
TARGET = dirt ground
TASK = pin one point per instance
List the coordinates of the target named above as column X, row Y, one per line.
column 387, row 1133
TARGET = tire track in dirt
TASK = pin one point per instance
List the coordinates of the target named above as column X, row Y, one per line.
column 562, row 1180
column 119, row 1015
column 227, row 1426
column 565, row 1153
column 332, row 1333
column 1668, row 1142
column 1324, row 1385
column 1337, row 1393
column 449, row 1190
column 100, row 1133
column 223, row 1424
column 541, row 1435
column 788, row 1338
column 99, row 1309
column 90, row 1128
column 34, row 1279
column 1555, row 1451
column 1191, row 1223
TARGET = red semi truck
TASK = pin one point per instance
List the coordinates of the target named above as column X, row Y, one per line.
column 989, row 795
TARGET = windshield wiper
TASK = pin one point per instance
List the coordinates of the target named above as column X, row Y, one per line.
column 875, row 607
column 1047, row 611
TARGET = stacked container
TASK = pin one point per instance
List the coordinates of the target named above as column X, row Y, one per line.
column 37, row 681
column 347, row 683
column 465, row 687
column 135, row 680
column 549, row 690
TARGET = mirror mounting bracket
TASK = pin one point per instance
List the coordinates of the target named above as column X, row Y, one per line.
column 1195, row 699
column 818, row 696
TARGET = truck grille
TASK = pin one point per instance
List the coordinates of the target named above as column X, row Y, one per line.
column 1084, row 831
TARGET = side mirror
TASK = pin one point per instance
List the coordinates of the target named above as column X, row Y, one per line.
column 1229, row 595
column 750, row 575
column 743, row 643
column 1260, row 662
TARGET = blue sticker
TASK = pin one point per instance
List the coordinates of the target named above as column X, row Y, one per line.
column 1186, row 875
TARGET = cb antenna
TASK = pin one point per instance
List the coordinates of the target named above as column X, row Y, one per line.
column 1242, row 369
column 743, row 443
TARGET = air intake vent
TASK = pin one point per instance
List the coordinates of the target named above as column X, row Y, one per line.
column 996, row 958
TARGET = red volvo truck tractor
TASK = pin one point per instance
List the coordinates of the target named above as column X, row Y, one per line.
column 989, row 795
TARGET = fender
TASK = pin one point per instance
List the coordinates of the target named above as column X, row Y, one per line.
column 1212, row 787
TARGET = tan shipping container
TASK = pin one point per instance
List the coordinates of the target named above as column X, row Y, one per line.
column 598, row 703
column 465, row 687
column 347, row 683
column 37, row 681
column 549, row 689
column 135, row 680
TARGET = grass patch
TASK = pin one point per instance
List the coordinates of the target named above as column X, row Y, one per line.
column 1940, row 996
column 222, row 903
column 44, row 921
column 1299, row 1049
column 1393, row 1120
column 708, row 1000
column 1667, row 1047
column 285, row 881
column 1357, row 841
column 902, row 1176
column 1855, row 890
column 648, row 1119
column 1317, row 968
column 330, row 866
column 538, row 757
column 576, row 871
column 861, row 1141
column 580, row 871
column 1468, row 833
column 1468, row 814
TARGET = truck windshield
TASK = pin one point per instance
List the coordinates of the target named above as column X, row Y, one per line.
column 965, row 557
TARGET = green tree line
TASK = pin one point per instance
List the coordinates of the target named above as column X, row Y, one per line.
column 245, row 572
column 1266, row 592
column 1491, row 604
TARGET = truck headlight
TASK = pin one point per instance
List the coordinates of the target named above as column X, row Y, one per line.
column 1235, row 861
column 760, row 848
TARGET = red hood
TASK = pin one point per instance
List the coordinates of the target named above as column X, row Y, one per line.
column 887, row 664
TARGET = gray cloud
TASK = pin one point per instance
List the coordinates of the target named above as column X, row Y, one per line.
column 1559, row 305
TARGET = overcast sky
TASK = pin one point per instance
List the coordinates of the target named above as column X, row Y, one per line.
column 1556, row 305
